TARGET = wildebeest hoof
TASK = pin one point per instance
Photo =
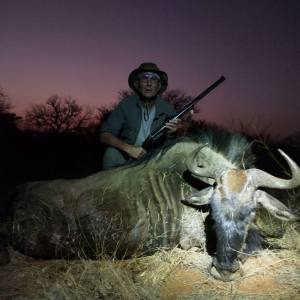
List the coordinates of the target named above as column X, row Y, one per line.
column 223, row 275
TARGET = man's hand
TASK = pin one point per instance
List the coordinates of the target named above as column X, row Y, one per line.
column 135, row 152
column 172, row 125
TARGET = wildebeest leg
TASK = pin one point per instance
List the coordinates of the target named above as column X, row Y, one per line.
column 192, row 236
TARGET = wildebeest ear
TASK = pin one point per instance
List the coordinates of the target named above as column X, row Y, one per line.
column 200, row 198
column 275, row 207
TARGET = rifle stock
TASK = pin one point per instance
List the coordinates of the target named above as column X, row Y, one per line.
column 154, row 136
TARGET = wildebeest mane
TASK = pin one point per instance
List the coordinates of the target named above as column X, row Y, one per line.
column 232, row 146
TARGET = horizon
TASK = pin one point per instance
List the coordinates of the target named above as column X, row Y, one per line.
column 87, row 50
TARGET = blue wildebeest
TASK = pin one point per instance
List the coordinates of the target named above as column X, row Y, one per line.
column 139, row 209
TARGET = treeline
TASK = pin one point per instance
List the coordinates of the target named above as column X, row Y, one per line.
column 60, row 139
column 56, row 139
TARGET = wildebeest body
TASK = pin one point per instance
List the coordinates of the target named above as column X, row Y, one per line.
column 120, row 211
column 138, row 208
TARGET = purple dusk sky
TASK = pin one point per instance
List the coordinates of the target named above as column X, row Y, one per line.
column 87, row 49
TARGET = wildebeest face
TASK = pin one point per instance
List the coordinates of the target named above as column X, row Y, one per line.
column 234, row 200
column 233, row 210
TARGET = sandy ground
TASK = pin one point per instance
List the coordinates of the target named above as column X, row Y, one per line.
column 266, row 276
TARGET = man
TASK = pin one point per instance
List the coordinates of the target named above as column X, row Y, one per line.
column 137, row 116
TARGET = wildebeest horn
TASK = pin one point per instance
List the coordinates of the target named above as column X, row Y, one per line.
column 196, row 171
column 263, row 179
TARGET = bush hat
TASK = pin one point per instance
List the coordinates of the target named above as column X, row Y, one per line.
column 149, row 67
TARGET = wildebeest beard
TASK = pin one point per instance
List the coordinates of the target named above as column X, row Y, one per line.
column 231, row 229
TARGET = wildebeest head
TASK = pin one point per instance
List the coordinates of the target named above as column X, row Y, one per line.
column 234, row 199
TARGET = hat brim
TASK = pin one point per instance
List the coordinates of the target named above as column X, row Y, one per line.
column 163, row 77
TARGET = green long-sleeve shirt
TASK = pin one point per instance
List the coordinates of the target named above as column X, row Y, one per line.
column 125, row 120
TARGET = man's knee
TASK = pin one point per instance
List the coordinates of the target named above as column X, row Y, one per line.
column 113, row 158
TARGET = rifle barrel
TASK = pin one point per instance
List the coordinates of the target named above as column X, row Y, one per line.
column 160, row 131
column 202, row 95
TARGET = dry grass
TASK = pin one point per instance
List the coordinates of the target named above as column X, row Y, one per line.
column 169, row 274
column 136, row 278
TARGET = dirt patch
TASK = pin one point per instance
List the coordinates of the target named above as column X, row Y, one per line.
column 267, row 276
column 260, row 279
column 22, row 279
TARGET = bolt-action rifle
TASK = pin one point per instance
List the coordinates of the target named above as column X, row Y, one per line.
column 154, row 136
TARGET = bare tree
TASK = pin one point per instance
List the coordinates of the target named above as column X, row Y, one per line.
column 9, row 122
column 104, row 112
column 5, row 103
column 124, row 94
column 178, row 99
column 59, row 115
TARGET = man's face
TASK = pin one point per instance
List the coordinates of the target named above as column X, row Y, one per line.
column 148, row 87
